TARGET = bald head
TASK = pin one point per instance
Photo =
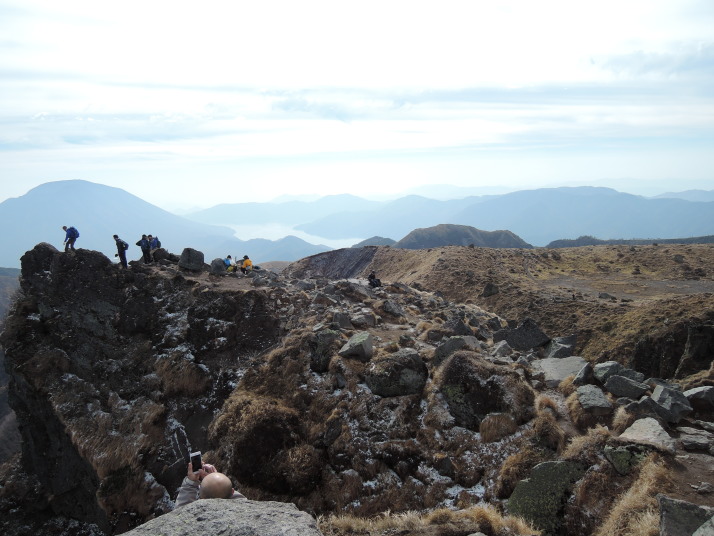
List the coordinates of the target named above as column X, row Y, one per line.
column 216, row 486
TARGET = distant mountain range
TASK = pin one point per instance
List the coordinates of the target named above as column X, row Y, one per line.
column 523, row 218
column 537, row 216
column 99, row 212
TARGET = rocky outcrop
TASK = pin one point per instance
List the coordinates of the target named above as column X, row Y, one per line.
column 231, row 518
column 128, row 367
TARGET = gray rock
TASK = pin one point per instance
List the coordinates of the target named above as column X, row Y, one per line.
column 360, row 346
column 541, row 497
column 397, row 374
column 454, row 344
column 602, row 371
column 694, row 439
column 584, row 375
column 364, row 320
column 524, row 337
column 674, row 405
column 593, row 400
column 555, row 370
column 191, row 259
column 561, row 346
column 707, row 528
column 231, row 518
column 322, row 345
column 654, row 382
column 648, row 431
column 701, row 398
column 218, row 267
column 681, row 518
column 625, row 457
column 342, row 320
column 490, row 289
column 305, row 285
column 391, row 307
column 623, row 386
column 456, row 326
column 501, row 349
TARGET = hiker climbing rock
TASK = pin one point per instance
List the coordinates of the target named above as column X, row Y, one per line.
column 71, row 236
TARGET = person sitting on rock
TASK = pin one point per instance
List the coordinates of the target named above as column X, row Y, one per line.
column 247, row 265
column 228, row 261
column 206, row 483
column 373, row 281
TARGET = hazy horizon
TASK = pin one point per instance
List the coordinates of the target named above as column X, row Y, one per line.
column 181, row 104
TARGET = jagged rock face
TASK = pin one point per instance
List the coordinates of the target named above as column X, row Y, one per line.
column 116, row 374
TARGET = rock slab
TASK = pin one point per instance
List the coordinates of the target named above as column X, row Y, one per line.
column 231, row 518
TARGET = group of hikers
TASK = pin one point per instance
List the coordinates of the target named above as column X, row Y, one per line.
column 149, row 244
column 245, row 266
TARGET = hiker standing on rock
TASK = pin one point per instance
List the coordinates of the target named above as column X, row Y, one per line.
column 121, row 250
column 71, row 236
column 143, row 243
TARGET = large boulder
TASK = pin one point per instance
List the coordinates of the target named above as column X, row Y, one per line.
column 526, row 336
column 473, row 388
column 541, row 498
column 593, row 400
column 218, row 267
column 191, row 259
column 453, row 344
column 623, row 386
column 701, row 398
column 648, row 431
column 555, row 370
column 672, row 404
column 681, row 518
column 360, row 346
column 231, row 518
column 561, row 346
column 397, row 374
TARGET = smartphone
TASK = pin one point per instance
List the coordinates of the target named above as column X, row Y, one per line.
column 196, row 462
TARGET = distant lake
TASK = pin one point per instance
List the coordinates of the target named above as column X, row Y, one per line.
column 276, row 231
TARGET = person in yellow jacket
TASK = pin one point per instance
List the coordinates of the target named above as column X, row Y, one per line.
column 247, row 265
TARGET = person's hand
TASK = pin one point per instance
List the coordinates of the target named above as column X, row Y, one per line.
column 196, row 476
column 208, row 468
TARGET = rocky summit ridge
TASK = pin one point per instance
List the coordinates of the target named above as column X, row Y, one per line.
column 314, row 389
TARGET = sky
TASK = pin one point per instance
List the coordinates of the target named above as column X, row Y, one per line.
column 189, row 104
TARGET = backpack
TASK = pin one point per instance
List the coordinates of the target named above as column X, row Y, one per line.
column 73, row 233
column 158, row 242
column 124, row 245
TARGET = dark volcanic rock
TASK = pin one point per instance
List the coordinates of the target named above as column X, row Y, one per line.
column 114, row 375
column 397, row 374
column 191, row 259
column 524, row 337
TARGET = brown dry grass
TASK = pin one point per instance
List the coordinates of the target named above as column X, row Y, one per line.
column 587, row 448
column 566, row 386
column 636, row 512
column 496, row 426
column 515, row 468
column 547, row 432
column 484, row 519
column 180, row 376
column 622, row 420
column 546, row 403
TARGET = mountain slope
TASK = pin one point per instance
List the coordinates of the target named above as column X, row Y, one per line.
column 100, row 211
column 459, row 235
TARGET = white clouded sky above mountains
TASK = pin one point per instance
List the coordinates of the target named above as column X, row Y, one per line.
column 189, row 104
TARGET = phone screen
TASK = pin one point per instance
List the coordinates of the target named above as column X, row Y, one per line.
column 196, row 462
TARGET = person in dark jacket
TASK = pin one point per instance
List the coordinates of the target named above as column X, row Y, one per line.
column 145, row 248
column 121, row 250
column 71, row 236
